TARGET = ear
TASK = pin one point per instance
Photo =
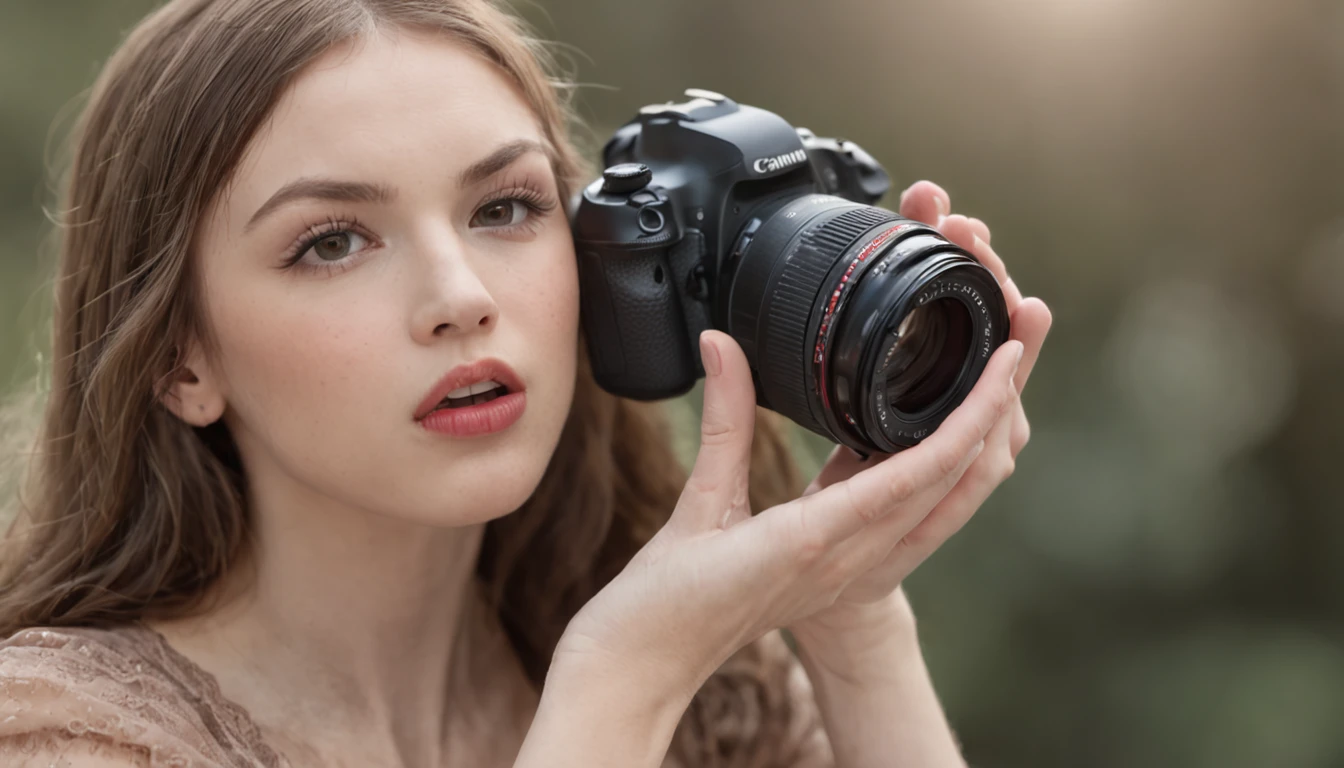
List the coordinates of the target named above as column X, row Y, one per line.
column 193, row 392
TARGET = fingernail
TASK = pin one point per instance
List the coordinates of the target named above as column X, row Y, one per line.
column 977, row 244
column 943, row 206
column 710, row 356
column 1021, row 348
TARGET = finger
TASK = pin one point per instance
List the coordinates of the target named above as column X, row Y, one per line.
column 966, row 232
column 1031, row 324
column 1021, row 431
column 981, row 229
column 925, row 201
column 988, row 459
column 717, row 487
column 961, row 231
column 843, row 463
column 987, row 256
column 835, row 513
column 994, row 465
column 876, row 544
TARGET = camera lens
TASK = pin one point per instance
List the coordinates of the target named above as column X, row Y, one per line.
column 860, row 325
column 933, row 346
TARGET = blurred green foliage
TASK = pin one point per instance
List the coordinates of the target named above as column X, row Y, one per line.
column 1162, row 581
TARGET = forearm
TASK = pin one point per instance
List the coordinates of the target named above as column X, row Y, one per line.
column 876, row 698
column 596, row 720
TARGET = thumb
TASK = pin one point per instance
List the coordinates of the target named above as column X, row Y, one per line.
column 717, row 488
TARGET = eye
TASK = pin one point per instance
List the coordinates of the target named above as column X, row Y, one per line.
column 501, row 213
column 335, row 246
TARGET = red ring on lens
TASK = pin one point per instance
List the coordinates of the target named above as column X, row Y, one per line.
column 825, row 328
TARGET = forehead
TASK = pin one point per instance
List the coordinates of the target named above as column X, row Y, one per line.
column 403, row 107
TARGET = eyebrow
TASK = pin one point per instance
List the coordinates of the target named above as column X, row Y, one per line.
column 364, row 192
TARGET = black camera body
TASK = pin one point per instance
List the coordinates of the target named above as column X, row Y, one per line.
column 714, row 214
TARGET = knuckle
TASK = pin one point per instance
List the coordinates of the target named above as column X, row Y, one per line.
column 1006, row 468
column 809, row 550
column 715, row 433
column 698, row 484
column 1021, row 436
column 809, row 543
column 899, row 490
column 866, row 513
column 948, row 460
column 920, row 539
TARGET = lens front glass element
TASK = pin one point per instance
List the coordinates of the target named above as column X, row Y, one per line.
column 933, row 343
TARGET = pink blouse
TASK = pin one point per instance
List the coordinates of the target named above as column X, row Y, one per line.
column 76, row 697
column 123, row 694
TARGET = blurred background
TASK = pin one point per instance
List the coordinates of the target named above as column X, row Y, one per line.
column 1161, row 583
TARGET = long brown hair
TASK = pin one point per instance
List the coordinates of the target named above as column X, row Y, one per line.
column 128, row 513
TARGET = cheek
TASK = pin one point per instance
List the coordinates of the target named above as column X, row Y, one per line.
column 543, row 303
column 539, row 318
column 295, row 360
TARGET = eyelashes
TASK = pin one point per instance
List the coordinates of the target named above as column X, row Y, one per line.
column 347, row 240
column 330, row 232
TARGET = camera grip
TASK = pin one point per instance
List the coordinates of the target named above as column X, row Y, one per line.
column 632, row 317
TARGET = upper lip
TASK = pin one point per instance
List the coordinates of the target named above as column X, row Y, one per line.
column 484, row 369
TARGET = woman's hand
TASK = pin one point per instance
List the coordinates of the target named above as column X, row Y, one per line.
column 715, row 578
column 872, row 605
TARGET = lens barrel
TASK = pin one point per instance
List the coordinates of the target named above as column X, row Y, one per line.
column 862, row 326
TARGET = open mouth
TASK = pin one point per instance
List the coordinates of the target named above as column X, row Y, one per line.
column 476, row 394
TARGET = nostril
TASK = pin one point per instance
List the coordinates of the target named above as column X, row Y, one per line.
column 442, row 328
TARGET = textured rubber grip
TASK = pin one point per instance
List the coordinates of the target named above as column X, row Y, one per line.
column 789, row 318
column 632, row 317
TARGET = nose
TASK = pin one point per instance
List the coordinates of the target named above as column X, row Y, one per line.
column 453, row 299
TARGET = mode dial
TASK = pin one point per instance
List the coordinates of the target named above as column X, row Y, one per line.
column 624, row 178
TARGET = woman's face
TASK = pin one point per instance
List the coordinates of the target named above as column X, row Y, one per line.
column 395, row 218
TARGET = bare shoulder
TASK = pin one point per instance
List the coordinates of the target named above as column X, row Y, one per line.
column 757, row 710
column 82, row 696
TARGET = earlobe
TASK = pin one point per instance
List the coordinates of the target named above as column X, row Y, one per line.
column 192, row 393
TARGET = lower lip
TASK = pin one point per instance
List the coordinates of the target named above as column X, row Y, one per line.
column 476, row 420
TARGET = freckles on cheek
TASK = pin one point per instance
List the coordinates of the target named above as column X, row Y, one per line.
column 290, row 364
column 552, row 290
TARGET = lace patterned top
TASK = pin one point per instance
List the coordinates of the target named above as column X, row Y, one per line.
column 72, row 697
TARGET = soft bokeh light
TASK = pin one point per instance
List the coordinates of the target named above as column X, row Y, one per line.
column 1321, row 278
column 1207, row 374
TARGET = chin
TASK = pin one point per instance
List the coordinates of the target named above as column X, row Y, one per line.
column 475, row 492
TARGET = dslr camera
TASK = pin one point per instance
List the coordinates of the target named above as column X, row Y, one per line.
column 860, row 325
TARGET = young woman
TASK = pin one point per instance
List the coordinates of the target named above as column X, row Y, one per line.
column 254, row 532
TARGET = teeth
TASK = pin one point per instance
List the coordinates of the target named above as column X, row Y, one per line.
column 474, row 389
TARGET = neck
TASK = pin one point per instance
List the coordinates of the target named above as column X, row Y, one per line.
column 376, row 625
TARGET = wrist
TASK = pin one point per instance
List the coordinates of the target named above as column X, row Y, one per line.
column 858, row 640
column 654, row 695
column 592, row 715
